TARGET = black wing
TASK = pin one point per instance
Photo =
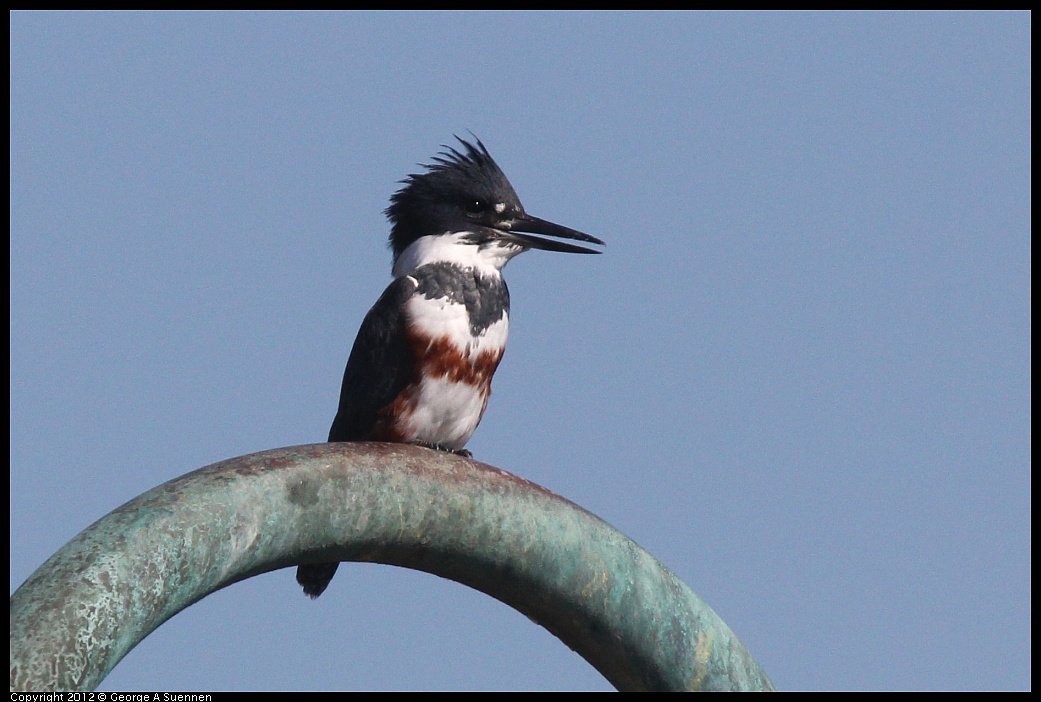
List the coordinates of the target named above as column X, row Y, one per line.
column 379, row 367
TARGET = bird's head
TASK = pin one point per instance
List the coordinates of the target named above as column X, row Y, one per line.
column 463, row 199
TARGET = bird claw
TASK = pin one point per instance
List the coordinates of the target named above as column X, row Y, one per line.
column 444, row 449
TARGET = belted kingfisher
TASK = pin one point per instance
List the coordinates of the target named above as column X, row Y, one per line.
column 421, row 368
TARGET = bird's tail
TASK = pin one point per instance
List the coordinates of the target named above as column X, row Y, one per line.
column 315, row 578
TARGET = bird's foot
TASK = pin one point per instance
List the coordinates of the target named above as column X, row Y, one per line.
column 438, row 447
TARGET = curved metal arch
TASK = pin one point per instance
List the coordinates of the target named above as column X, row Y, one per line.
column 605, row 597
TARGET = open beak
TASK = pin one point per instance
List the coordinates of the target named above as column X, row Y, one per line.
column 534, row 225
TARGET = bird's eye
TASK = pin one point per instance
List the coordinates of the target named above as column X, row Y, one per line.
column 474, row 206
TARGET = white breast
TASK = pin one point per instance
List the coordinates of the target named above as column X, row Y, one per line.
column 451, row 398
column 441, row 318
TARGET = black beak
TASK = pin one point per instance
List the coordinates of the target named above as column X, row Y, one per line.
column 534, row 225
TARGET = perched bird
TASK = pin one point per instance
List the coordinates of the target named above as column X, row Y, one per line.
column 421, row 368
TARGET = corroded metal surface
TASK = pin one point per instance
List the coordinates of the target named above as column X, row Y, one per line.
column 601, row 594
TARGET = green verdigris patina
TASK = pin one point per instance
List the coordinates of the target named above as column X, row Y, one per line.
column 605, row 597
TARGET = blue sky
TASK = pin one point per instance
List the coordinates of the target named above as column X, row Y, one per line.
column 799, row 375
